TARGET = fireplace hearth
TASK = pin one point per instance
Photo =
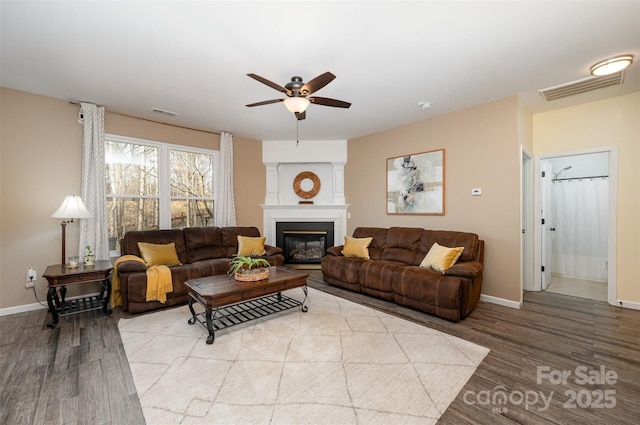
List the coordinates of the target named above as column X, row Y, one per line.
column 304, row 243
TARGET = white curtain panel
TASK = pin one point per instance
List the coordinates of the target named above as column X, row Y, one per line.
column 225, row 209
column 581, row 214
column 93, row 231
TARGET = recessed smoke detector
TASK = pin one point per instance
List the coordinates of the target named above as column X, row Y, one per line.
column 164, row 112
column 425, row 105
column 581, row 86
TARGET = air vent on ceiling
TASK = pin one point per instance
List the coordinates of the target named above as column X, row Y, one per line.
column 582, row 86
column 164, row 112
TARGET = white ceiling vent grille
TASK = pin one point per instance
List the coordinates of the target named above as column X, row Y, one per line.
column 164, row 112
column 582, row 86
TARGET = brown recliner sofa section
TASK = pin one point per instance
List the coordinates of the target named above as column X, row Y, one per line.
column 203, row 251
column 394, row 274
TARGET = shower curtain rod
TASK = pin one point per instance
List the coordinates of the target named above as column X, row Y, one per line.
column 580, row 178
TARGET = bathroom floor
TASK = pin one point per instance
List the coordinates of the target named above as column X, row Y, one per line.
column 575, row 287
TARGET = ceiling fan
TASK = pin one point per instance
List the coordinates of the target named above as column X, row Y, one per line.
column 297, row 92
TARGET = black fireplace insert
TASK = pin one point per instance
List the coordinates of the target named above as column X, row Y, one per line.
column 304, row 243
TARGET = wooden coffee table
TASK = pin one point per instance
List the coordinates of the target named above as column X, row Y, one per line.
column 228, row 302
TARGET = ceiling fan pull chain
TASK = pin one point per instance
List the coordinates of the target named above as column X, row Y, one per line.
column 297, row 137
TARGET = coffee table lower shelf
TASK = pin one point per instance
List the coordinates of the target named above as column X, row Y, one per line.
column 242, row 312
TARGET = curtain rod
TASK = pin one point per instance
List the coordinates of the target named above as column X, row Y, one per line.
column 580, row 178
column 150, row 120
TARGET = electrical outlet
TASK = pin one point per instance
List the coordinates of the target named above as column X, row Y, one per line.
column 31, row 274
column 31, row 277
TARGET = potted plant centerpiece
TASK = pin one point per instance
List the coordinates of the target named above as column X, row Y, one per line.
column 247, row 269
column 89, row 259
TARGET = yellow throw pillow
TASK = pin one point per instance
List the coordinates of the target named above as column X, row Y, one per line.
column 356, row 247
column 158, row 254
column 248, row 246
column 440, row 258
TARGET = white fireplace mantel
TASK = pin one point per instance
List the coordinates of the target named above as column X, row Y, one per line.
column 284, row 160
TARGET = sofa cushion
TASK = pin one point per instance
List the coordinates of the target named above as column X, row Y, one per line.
column 344, row 269
column 428, row 286
column 155, row 254
column 203, row 243
column 129, row 243
column 441, row 258
column 251, row 246
column 469, row 241
column 376, row 278
column 230, row 238
column 137, row 283
column 378, row 242
column 403, row 245
column 356, row 247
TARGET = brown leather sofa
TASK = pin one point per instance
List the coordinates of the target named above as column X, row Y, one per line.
column 393, row 272
column 203, row 251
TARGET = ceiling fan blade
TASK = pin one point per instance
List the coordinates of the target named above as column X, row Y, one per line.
column 265, row 102
column 329, row 102
column 317, row 83
column 269, row 83
column 301, row 115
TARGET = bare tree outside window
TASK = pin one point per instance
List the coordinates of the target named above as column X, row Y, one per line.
column 135, row 180
column 191, row 189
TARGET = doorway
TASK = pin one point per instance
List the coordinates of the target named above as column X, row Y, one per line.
column 577, row 224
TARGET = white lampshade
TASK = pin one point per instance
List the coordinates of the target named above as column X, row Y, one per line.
column 611, row 66
column 72, row 207
column 296, row 104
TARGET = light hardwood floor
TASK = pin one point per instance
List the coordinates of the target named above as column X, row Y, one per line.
column 78, row 373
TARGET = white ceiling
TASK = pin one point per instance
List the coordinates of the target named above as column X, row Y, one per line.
column 193, row 57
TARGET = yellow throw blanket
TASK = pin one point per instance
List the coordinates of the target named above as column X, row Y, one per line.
column 159, row 282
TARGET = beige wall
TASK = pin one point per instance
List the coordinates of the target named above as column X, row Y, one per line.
column 40, row 154
column 482, row 150
column 40, row 150
column 610, row 122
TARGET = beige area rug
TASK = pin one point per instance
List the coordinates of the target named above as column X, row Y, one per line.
column 339, row 363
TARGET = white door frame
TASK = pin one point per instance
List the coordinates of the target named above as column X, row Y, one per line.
column 526, row 219
column 613, row 211
column 546, row 246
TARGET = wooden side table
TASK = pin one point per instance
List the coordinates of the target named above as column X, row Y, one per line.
column 60, row 276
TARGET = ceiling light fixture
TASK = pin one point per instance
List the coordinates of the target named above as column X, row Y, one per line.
column 611, row 66
column 296, row 104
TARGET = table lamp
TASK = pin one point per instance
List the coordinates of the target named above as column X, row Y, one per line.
column 72, row 208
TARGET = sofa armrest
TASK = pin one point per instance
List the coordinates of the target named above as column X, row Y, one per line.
column 335, row 250
column 272, row 250
column 471, row 269
column 131, row 267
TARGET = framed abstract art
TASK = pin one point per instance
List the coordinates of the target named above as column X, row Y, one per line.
column 415, row 183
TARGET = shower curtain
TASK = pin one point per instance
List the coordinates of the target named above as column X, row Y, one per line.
column 580, row 209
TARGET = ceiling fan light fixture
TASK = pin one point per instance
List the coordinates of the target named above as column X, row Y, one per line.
column 612, row 65
column 296, row 104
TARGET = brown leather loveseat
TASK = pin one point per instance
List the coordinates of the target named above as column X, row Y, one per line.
column 393, row 272
column 202, row 251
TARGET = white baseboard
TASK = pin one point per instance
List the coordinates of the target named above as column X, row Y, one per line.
column 35, row 306
column 628, row 304
column 21, row 309
column 501, row 301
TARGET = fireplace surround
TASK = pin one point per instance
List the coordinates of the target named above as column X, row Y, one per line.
column 284, row 160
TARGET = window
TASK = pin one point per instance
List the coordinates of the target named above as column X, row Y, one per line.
column 152, row 185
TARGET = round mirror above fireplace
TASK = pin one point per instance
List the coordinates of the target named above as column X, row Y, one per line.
column 306, row 185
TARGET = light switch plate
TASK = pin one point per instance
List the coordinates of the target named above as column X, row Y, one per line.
column 476, row 192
